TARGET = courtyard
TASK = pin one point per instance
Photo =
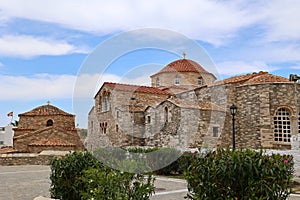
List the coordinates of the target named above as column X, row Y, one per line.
column 29, row 182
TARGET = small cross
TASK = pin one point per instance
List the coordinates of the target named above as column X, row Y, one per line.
column 48, row 102
column 184, row 54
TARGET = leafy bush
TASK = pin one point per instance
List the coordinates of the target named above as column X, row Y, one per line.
column 116, row 185
column 79, row 175
column 66, row 173
column 178, row 166
column 149, row 159
column 240, row 174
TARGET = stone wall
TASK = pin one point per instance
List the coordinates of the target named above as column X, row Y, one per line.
column 257, row 105
column 40, row 121
column 118, row 119
column 186, row 78
column 28, row 158
column 23, row 142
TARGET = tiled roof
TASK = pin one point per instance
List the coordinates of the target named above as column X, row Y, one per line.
column 202, row 105
column 266, row 78
column 46, row 110
column 135, row 88
column 183, row 65
column 51, row 142
column 175, row 87
column 261, row 77
column 6, row 150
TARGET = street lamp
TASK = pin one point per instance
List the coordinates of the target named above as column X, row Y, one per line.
column 295, row 78
column 132, row 101
column 233, row 111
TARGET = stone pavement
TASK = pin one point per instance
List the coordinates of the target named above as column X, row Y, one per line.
column 30, row 182
column 24, row 182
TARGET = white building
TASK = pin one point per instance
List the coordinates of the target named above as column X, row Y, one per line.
column 6, row 135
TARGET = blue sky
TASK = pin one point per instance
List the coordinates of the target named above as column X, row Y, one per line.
column 44, row 44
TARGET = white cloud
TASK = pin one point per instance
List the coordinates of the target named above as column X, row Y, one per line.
column 40, row 86
column 230, row 68
column 297, row 66
column 87, row 85
column 47, row 86
column 30, row 46
column 282, row 20
column 207, row 20
column 211, row 21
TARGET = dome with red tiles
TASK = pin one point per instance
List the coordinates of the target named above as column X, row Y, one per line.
column 183, row 65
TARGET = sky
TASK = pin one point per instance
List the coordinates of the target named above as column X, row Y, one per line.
column 46, row 46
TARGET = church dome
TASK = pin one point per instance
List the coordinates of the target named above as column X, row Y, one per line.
column 45, row 110
column 183, row 65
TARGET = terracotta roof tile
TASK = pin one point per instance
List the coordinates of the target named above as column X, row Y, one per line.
column 261, row 77
column 175, row 87
column 135, row 88
column 266, row 78
column 202, row 105
column 45, row 110
column 182, row 65
column 4, row 150
column 51, row 142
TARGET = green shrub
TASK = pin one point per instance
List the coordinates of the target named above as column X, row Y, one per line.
column 66, row 173
column 149, row 159
column 241, row 174
column 116, row 185
column 79, row 175
column 178, row 166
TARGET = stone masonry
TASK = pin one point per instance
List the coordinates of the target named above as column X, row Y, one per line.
column 177, row 112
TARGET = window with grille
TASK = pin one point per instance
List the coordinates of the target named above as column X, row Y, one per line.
column 200, row 81
column 215, row 131
column 105, row 103
column 282, row 126
column 177, row 80
column 157, row 82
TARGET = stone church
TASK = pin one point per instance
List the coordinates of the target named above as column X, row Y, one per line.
column 46, row 128
column 187, row 107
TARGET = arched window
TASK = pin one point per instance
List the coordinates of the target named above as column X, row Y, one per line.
column 282, row 126
column 49, row 122
column 177, row 80
column 200, row 81
column 105, row 102
column 166, row 114
column 157, row 82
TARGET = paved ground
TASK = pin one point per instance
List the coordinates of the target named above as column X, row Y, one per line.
column 29, row 182
column 24, row 182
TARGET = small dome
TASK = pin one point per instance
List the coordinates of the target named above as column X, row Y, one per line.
column 183, row 65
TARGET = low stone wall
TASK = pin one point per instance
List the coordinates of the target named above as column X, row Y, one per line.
column 42, row 158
